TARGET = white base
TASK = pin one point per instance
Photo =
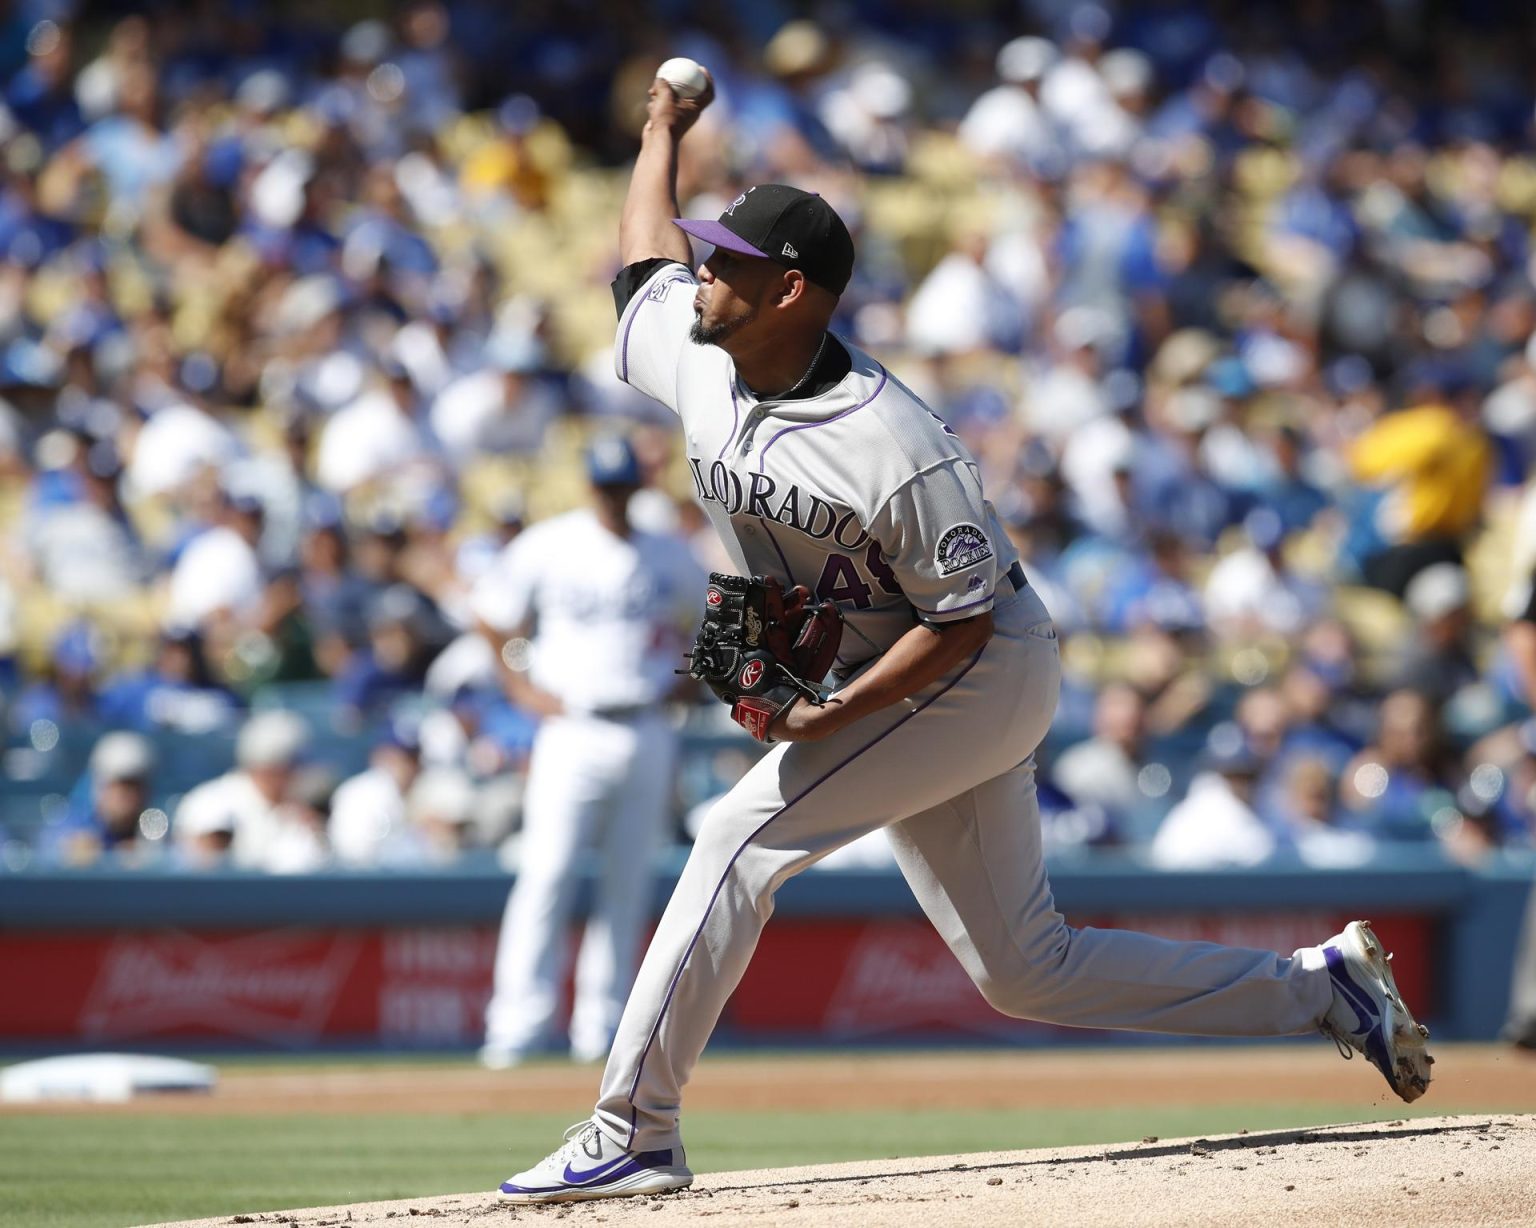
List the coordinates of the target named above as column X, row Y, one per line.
column 101, row 1077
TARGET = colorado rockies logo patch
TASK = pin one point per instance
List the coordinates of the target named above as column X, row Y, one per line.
column 751, row 675
column 963, row 546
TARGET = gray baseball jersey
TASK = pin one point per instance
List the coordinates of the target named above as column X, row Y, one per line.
column 862, row 493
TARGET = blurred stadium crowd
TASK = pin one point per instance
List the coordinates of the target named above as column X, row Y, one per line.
column 302, row 317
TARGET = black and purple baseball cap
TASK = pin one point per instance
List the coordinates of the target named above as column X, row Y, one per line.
column 796, row 229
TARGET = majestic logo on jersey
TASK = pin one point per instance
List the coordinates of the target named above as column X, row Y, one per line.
column 962, row 546
column 659, row 290
column 751, row 675
column 789, row 505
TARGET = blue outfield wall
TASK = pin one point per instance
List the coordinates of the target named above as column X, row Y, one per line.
column 1477, row 914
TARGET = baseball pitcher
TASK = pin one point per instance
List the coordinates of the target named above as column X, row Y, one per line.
column 831, row 483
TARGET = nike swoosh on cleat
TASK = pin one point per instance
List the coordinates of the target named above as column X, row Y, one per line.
column 571, row 1177
column 1359, row 999
column 624, row 1166
column 1371, row 1030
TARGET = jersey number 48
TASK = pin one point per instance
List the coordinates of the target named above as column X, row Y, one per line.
column 842, row 581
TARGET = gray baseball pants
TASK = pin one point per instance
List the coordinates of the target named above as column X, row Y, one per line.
column 948, row 773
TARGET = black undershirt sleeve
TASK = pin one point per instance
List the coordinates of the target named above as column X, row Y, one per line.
column 632, row 276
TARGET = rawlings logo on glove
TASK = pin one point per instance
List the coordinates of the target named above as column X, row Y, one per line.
column 760, row 649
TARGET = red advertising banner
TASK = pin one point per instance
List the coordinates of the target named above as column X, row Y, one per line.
column 841, row 981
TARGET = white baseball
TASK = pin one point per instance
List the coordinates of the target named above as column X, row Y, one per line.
column 685, row 76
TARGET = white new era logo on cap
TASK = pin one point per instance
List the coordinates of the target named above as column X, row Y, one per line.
column 790, row 251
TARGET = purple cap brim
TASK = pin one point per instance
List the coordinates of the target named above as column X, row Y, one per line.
column 719, row 235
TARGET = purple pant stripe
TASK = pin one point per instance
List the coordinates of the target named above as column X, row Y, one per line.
column 720, row 886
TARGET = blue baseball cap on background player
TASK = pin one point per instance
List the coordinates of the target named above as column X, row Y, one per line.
column 611, row 461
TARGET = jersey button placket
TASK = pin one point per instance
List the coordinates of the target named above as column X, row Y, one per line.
column 750, row 428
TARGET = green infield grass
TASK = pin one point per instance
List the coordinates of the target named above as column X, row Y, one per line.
column 80, row 1170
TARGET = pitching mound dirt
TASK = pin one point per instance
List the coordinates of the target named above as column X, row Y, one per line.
column 1440, row 1171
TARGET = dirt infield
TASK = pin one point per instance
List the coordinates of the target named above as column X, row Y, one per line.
column 1468, row 1078
column 1439, row 1171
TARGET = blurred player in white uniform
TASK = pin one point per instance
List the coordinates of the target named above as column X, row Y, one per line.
column 589, row 616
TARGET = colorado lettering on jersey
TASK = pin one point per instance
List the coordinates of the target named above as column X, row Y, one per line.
column 787, row 504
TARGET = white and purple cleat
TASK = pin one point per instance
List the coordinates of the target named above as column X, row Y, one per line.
column 591, row 1165
column 1368, row 1015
